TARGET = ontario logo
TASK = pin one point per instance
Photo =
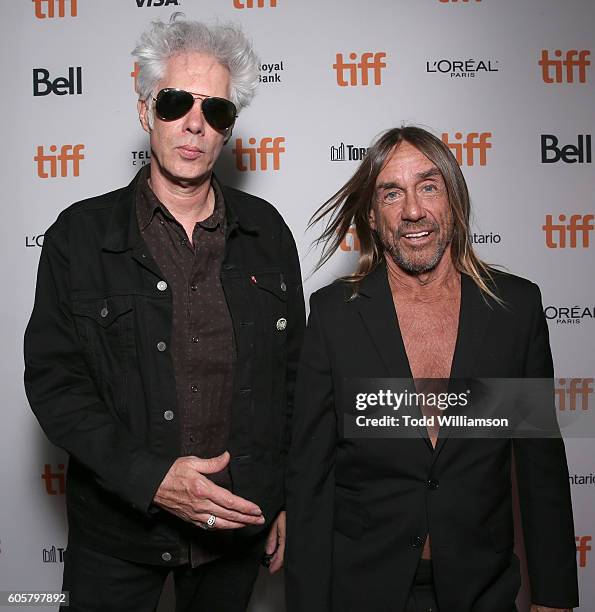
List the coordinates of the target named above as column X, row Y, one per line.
column 459, row 69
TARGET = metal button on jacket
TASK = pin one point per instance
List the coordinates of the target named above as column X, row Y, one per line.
column 168, row 415
column 281, row 324
column 166, row 556
column 162, row 285
column 161, row 346
column 283, row 286
column 104, row 312
column 433, row 484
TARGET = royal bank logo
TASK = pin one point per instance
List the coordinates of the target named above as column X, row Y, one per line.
column 573, row 233
column 34, row 240
column 143, row 3
column 248, row 4
column 583, row 547
column 565, row 67
column 458, row 69
column 140, row 158
column 579, row 153
column 271, row 72
column 347, row 152
column 365, row 69
column 573, row 394
column 264, row 154
column 44, row 85
column 569, row 315
column 55, row 554
column 54, row 479
column 490, row 238
column 469, row 149
column 53, row 164
column 50, row 9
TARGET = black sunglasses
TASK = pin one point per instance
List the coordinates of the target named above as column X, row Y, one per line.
column 171, row 104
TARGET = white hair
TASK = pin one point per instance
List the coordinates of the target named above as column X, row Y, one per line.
column 225, row 42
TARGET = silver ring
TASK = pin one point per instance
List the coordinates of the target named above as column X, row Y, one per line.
column 210, row 522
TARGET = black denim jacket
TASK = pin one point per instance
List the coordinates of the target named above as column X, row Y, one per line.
column 103, row 391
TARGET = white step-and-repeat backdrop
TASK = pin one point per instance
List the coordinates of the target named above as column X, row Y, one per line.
column 508, row 84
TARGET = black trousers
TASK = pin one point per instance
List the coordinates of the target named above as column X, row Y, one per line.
column 101, row 583
column 422, row 597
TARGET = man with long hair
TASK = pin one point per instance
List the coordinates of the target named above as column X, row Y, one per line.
column 423, row 523
column 162, row 350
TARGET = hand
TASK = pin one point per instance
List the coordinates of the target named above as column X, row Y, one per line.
column 536, row 608
column 188, row 494
column 275, row 546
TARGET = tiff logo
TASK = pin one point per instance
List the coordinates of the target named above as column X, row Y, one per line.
column 53, row 555
column 582, row 548
column 134, row 75
column 61, row 86
column 68, row 153
column 465, row 151
column 50, row 6
column 350, row 241
column 571, row 392
column 582, row 224
column 575, row 59
column 368, row 62
column 251, row 4
column 269, row 148
column 50, row 477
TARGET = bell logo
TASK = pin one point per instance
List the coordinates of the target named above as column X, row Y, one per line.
column 350, row 241
column 569, row 154
column 474, row 141
column 368, row 62
column 68, row 153
column 242, row 4
column 268, row 148
column 72, row 85
column 51, row 478
column 50, row 8
column 556, row 234
column 575, row 59
column 582, row 548
column 573, row 392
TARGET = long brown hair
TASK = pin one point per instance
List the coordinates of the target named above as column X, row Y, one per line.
column 353, row 203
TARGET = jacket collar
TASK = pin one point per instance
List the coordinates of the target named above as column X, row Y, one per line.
column 123, row 234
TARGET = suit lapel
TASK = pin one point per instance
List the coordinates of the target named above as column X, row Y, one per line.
column 474, row 318
column 377, row 311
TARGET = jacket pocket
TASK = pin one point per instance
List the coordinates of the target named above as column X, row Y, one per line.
column 105, row 327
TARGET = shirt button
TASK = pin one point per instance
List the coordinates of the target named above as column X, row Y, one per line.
column 104, row 312
column 192, row 438
column 283, row 287
column 433, row 484
column 166, row 556
column 161, row 346
column 194, row 388
column 417, row 542
column 194, row 287
column 194, row 339
column 162, row 285
column 281, row 324
column 168, row 415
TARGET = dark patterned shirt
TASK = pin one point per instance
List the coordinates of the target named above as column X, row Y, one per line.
column 202, row 342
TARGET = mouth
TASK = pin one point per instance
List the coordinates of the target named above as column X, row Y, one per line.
column 418, row 237
column 189, row 152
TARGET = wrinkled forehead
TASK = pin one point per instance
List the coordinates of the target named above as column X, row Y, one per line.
column 407, row 164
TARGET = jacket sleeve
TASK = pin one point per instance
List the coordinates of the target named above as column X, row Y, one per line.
column 64, row 397
column 544, row 491
column 311, row 478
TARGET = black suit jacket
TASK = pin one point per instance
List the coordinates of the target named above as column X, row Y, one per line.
column 359, row 509
column 106, row 394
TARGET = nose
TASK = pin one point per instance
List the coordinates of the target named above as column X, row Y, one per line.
column 412, row 209
column 194, row 121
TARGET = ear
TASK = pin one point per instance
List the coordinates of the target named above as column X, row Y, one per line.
column 143, row 115
column 372, row 219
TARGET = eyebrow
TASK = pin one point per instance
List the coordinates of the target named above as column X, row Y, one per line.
column 421, row 176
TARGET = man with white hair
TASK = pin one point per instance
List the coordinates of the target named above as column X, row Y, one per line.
column 162, row 348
